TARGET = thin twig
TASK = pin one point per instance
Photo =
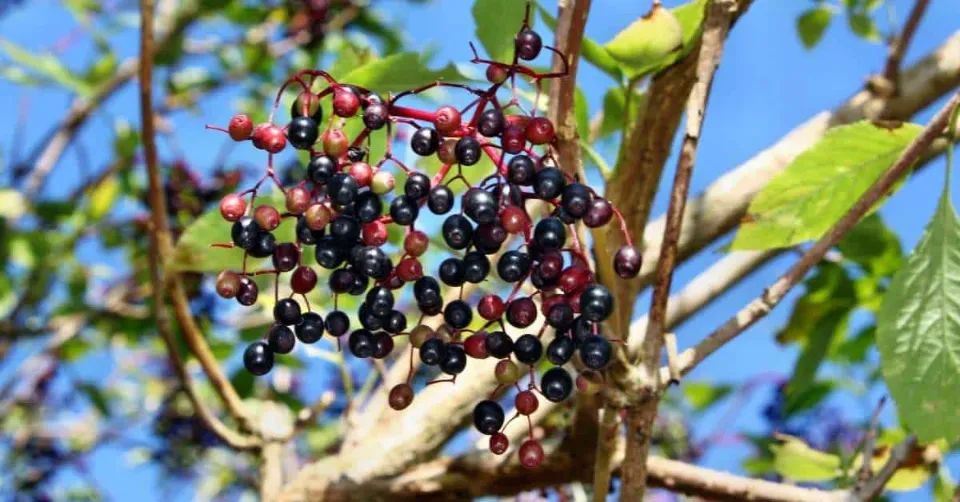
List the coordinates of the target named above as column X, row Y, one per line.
column 898, row 46
column 874, row 486
column 761, row 306
column 640, row 416
column 160, row 235
column 869, row 441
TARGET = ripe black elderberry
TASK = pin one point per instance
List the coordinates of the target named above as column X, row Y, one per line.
column 417, row 186
column 280, row 339
column 521, row 170
column 302, row 132
column 258, row 358
column 457, row 231
column 432, row 352
column 467, row 151
column 488, row 417
column 382, row 345
column 440, row 199
column 480, row 206
column 560, row 350
column 575, row 200
column 550, row 234
column 245, row 233
column 596, row 303
column 404, row 210
column 342, row 188
column 549, row 183
column 287, row 311
column 337, row 323
column 361, row 344
column 368, row 207
column 595, row 352
column 375, row 116
column 453, row 272
column 454, row 360
column 458, row 314
column 528, row 44
column 425, row 141
column 528, row 349
column 264, row 246
column 490, row 123
column 476, row 267
column 556, row 384
column 499, row 344
column 513, row 265
column 310, row 328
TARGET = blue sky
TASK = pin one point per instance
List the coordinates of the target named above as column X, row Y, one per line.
column 766, row 85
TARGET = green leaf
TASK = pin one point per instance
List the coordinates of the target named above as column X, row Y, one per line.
column 12, row 204
column 811, row 194
column 918, row 331
column 642, row 41
column 47, row 65
column 102, row 69
column 96, row 397
column 873, row 246
column 581, row 112
column 943, row 485
column 614, row 108
column 827, row 329
column 796, row 461
column 498, row 22
column 813, row 23
column 398, row 72
column 704, row 394
column 829, row 290
column 102, row 198
column 808, row 399
column 590, row 50
column 864, row 27
column 126, row 139
column 193, row 252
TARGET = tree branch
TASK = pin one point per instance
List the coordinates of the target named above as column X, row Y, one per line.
column 640, row 416
column 160, row 234
column 898, row 46
column 724, row 203
column 761, row 306
column 82, row 108
column 571, row 23
column 873, row 487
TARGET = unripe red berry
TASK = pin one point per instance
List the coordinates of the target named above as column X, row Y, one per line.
column 514, row 138
column 526, row 402
column 270, row 138
column 240, row 128
column 476, row 345
column 490, row 307
column 531, row 454
column 416, row 243
column 375, row 233
column 382, row 183
column 409, row 269
column 496, row 74
column 317, row 216
column 267, row 217
column 514, row 219
column 447, row 120
column 228, row 284
column 549, row 300
column 232, row 207
column 574, row 278
column 362, row 172
column 335, row 143
column 499, row 443
column 345, row 102
column 401, row 395
column 303, row 280
column 298, row 200
column 539, row 131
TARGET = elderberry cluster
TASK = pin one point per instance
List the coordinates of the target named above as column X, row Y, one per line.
column 344, row 204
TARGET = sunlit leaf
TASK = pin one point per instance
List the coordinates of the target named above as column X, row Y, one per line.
column 812, row 193
column 651, row 44
column 796, row 461
column 918, row 331
column 498, row 22
column 702, row 395
column 813, row 23
column 47, row 65
column 400, row 72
